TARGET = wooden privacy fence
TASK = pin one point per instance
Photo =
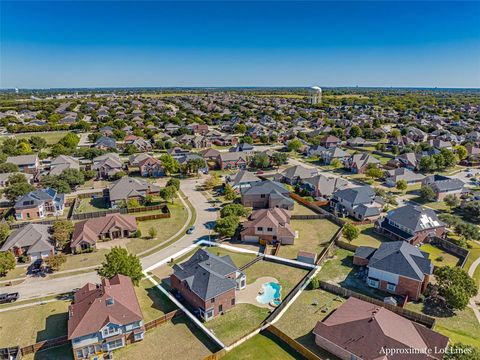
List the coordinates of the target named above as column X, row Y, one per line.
column 317, row 209
column 95, row 214
column 302, row 350
column 345, row 245
column 307, row 217
column 163, row 319
column 43, row 345
column 426, row 320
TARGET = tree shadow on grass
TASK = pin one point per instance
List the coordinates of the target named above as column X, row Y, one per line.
column 160, row 301
column 436, row 308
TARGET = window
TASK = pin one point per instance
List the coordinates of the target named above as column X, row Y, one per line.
column 270, row 229
column 372, row 282
column 391, row 287
column 111, row 330
column 79, row 354
column 262, row 196
column 138, row 336
column 212, row 300
column 109, row 301
column 220, row 308
column 260, row 228
column 233, row 300
column 115, row 344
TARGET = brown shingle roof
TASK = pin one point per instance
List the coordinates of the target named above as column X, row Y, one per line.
column 89, row 313
column 364, row 329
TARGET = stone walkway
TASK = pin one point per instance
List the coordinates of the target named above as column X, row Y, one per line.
column 250, row 293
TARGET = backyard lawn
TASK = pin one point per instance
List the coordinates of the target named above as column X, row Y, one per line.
column 287, row 276
column 178, row 339
column 368, row 237
column 313, row 235
column 238, row 322
column 91, row 205
column 299, row 209
column 302, row 316
column 265, row 344
column 44, row 322
column 239, row 259
column 63, row 352
column 152, row 301
column 436, row 253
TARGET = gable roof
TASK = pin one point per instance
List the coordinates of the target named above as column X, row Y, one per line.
column 23, row 159
column 206, row 274
column 298, row 171
column 34, row 236
column 414, row 218
column 356, row 196
column 402, row 258
column 90, row 312
column 128, row 187
column 363, row 329
column 244, row 176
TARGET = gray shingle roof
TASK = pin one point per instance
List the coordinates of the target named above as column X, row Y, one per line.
column 206, row 274
column 402, row 258
column 34, row 236
column 358, row 195
column 415, row 218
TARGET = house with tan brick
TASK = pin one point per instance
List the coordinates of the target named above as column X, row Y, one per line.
column 361, row 330
column 29, row 164
column 104, row 317
column 396, row 267
column 268, row 226
column 267, row 194
column 87, row 233
column 208, row 283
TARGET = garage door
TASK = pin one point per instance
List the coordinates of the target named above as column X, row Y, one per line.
column 250, row 238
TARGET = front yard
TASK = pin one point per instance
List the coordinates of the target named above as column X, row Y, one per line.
column 32, row 324
column 313, row 236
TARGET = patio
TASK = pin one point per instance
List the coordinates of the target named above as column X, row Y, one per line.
column 250, row 293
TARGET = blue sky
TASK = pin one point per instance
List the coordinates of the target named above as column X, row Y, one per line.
column 96, row 44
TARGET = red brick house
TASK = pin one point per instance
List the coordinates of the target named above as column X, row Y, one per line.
column 104, row 317
column 396, row 267
column 232, row 160
column 361, row 330
column 329, row 141
column 268, row 226
column 208, row 283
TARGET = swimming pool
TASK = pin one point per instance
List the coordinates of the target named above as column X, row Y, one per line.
column 271, row 294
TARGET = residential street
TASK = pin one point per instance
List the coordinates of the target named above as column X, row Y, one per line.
column 41, row 287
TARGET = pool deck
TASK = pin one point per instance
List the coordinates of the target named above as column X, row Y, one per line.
column 250, row 293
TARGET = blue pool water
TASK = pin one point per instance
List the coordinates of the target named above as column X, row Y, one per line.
column 271, row 292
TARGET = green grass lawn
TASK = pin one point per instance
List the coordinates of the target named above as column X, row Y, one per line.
column 462, row 327
column 57, row 353
column 299, row 209
column 238, row 322
column 239, row 259
column 33, row 324
column 313, row 235
column 152, row 301
column 91, row 205
column 474, row 254
column 337, row 267
column 84, row 260
column 52, row 137
column 302, row 316
column 15, row 273
column 287, row 276
column 367, row 237
column 265, row 344
column 435, row 253
column 178, row 339
column 166, row 228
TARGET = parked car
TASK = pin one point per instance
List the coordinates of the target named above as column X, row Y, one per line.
column 190, row 229
column 8, row 298
column 37, row 266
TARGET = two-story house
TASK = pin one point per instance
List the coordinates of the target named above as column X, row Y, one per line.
column 39, row 204
column 129, row 188
column 268, row 226
column 266, row 194
column 29, row 164
column 410, row 223
column 360, row 203
column 104, row 317
column 208, row 283
column 443, row 185
column 396, row 267
column 107, row 165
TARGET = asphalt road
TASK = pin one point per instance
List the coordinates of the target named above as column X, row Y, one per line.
column 35, row 287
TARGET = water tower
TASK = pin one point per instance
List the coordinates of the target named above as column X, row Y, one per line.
column 315, row 95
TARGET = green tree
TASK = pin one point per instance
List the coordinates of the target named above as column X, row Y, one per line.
column 350, row 232
column 7, row 262
column 233, row 210
column 336, row 163
column 152, row 233
column 38, row 142
column 170, row 164
column 174, row 182
column 55, row 182
column 279, row 158
column 241, row 128
column 168, row 193
column 119, row 261
column 374, row 172
column 455, row 286
column 459, row 351
column 226, row 226
column 133, row 203
column 427, row 194
column 212, row 182
column 13, row 191
column 54, row 262
column 4, row 232
column 229, row 193
column 247, row 139
column 450, row 158
column 461, row 151
column 427, row 163
column 260, row 161
column 8, row 168
column 294, row 145
column 70, row 140
column 355, row 131
column 401, row 185
column 61, row 232
column 451, row 201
